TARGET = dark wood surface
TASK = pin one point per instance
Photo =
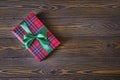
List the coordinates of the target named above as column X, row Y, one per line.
column 89, row 31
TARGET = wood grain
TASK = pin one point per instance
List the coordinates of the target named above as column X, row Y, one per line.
column 89, row 31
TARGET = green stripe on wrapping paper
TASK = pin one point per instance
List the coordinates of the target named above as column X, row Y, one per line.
column 41, row 37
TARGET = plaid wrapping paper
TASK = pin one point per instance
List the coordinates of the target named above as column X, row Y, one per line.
column 35, row 25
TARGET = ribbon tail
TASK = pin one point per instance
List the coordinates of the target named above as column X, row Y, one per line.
column 45, row 45
column 42, row 38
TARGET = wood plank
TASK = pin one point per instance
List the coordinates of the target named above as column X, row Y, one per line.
column 56, row 67
column 56, row 5
column 61, row 9
column 81, row 46
column 83, row 29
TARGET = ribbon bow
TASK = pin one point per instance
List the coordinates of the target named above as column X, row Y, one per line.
column 41, row 37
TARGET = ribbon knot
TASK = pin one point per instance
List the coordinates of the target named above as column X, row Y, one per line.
column 41, row 37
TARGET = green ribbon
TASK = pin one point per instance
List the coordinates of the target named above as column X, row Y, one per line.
column 41, row 37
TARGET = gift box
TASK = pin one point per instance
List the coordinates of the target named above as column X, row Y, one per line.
column 35, row 37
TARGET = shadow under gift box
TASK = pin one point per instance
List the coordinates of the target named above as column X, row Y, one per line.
column 35, row 26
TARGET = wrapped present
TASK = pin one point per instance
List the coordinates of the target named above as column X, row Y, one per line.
column 35, row 37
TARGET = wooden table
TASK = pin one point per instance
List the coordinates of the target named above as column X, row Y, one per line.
column 89, row 31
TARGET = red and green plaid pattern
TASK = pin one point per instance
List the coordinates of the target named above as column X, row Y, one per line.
column 35, row 25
